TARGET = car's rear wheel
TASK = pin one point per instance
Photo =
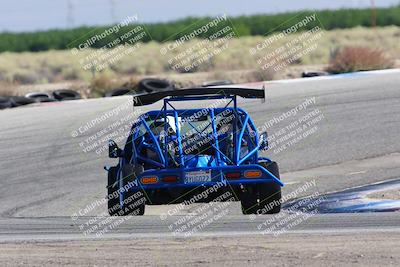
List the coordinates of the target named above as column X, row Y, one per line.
column 249, row 201
column 270, row 193
column 262, row 198
column 133, row 200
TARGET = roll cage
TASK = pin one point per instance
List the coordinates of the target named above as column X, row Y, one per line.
column 159, row 133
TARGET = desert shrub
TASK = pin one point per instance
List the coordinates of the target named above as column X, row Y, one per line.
column 71, row 73
column 7, row 89
column 132, row 83
column 259, row 75
column 105, row 82
column 25, row 77
column 358, row 58
column 32, row 67
column 101, row 84
column 244, row 25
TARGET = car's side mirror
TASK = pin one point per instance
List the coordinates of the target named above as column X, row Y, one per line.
column 263, row 140
column 113, row 150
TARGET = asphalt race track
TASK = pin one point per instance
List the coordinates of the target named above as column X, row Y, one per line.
column 48, row 181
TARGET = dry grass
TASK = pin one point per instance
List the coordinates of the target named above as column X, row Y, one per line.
column 7, row 89
column 103, row 83
column 61, row 66
column 358, row 58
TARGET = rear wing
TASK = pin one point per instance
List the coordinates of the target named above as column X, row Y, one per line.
column 150, row 98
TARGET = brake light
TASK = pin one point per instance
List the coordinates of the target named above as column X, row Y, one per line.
column 170, row 178
column 253, row 174
column 232, row 175
column 149, row 180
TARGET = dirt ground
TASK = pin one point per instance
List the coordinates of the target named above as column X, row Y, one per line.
column 361, row 249
column 393, row 194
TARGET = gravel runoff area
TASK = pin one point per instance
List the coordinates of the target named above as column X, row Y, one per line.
column 335, row 249
column 393, row 194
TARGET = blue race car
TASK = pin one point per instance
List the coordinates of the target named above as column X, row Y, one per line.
column 193, row 155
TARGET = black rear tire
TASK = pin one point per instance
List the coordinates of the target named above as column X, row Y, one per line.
column 134, row 200
column 270, row 193
column 262, row 198
column 249, row 201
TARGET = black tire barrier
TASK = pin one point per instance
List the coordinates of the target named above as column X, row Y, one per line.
column 117, row 92
column 17, row 101
column 64, row 94
column 216, row 83
column 153, row 85
column 41, row 97
column 307, row 74
column 5, row 102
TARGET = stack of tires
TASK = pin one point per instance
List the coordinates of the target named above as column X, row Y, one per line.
column 56, row 95
column 14, row 101
column 149, row 85
column 154, row 85
column 5, row 102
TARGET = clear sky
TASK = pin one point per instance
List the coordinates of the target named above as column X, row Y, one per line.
column 31, row 15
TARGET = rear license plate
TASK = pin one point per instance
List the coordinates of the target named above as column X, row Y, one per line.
column 198, row 177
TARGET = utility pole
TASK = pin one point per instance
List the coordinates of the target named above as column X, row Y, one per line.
column 373, row 14
column 70, row 14
column 113, row 4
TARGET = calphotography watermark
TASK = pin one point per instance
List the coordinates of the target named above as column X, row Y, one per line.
column 293, row 215
column 101, row 223
column 279, row 50
column 217, row 204
column 102, row 48
column 114, row 124
column 197, row 45
column 293, row 126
